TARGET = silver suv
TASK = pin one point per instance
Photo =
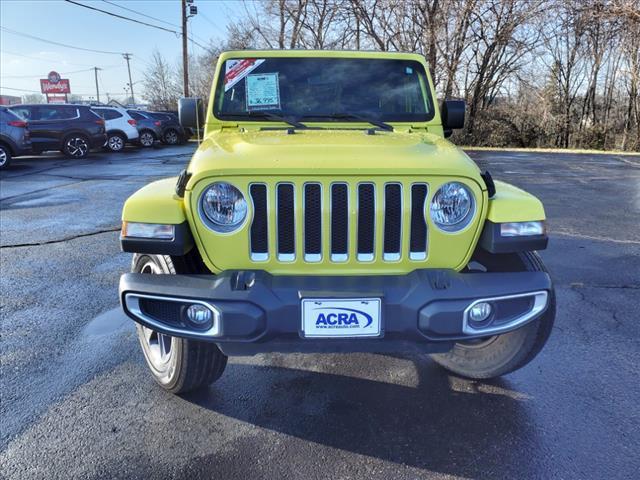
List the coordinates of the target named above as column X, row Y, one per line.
column 15, row 139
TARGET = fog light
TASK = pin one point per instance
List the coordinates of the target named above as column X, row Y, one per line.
column 480, row 312
column 199, row 315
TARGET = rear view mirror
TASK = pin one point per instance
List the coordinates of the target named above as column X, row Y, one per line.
column 191, row 112
column 452, row 113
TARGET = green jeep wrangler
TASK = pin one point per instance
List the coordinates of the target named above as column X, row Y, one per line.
column 324, row 211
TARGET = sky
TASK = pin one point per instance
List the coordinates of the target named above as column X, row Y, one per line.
column 23, row 61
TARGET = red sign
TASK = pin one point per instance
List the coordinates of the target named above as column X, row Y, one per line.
column 54, row 77
column 55, row 98
column 54, row 84
column 61, row 87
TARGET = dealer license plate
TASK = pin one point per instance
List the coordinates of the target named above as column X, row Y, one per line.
column 330, row 317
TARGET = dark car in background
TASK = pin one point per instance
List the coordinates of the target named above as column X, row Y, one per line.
column 72, row 129
column 15, row 138
column 149, row 128
column 172, row 131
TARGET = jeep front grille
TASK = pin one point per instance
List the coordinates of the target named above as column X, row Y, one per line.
column 306, row 208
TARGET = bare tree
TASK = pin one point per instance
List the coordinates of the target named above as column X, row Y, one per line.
column 533, row 72
column 160, row 88
column 33, row 98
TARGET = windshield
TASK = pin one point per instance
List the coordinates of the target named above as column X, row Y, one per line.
column 323, row 89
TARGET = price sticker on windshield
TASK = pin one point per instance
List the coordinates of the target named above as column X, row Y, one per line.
column 263, row 91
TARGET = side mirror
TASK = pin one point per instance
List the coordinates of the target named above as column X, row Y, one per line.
column 191, row 112
column 452, row 113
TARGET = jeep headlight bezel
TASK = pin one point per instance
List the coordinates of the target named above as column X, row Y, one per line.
column 223, row 207
column 452, row 207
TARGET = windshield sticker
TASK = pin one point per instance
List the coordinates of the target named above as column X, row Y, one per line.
column 236, row 70
column 263, row 91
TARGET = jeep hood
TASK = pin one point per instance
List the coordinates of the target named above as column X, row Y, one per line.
column 328, row 152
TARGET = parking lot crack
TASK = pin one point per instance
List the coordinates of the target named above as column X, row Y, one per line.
column 579, row 288
column 569, row 233
column 62, row 240
column 42, row 189
column 597, row 285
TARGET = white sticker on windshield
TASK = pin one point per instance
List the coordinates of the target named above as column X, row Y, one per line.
column 236, row 70
column 263, row 91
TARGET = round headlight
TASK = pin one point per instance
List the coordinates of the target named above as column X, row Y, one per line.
column 452, row 207
column 224, row 206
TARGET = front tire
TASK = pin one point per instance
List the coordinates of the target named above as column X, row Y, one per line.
column 498, row 355
column 177, row 364
column 5, row 157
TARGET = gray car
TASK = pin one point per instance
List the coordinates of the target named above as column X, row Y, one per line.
column 15, row 139
column 150, row 129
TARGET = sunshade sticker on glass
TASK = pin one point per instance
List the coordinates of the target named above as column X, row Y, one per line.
column 263, row 91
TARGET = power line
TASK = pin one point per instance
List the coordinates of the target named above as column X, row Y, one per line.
column 122, row 17
column 33, row 37
column 152, row 18
column 44, row 75
column 37, row 91
column 19, row 89
column 141, row 14
column 42, row 59
column 200, row 14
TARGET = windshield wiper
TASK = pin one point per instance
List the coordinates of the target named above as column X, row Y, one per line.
column 343, row 116
column 272, row 116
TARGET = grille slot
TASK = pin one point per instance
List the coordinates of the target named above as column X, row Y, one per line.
column 286, row 222
column 259, row 226
column 418, row 239
column 392, row 221
column 339, row 222
column 366, row 221
column 313, row 222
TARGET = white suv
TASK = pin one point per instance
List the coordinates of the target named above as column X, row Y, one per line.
column 121, row 128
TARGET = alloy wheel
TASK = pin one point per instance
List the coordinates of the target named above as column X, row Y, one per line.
column 171, row 137
column 115, row 143
column 158, row 346
column 146, row 139
column 77, row 147
column 3, row 157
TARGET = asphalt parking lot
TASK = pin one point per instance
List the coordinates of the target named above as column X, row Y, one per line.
column 77, row 401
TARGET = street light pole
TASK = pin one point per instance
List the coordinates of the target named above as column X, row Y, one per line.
column 185, row 57
column 127, row 56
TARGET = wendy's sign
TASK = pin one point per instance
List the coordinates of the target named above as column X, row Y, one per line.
column 54, row 84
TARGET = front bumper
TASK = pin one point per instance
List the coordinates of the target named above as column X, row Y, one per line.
column 425, row 311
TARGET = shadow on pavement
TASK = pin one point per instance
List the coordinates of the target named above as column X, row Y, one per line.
column 444, row 424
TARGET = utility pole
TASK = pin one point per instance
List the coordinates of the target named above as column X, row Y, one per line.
column 95, row 70
column 127, row 56
column 185, row 56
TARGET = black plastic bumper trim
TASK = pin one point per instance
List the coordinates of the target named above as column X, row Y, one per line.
column 493, row 242
column 182, row 242
column 262, row 312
